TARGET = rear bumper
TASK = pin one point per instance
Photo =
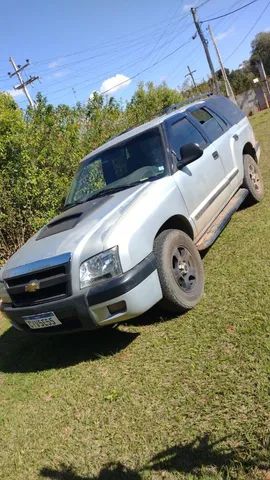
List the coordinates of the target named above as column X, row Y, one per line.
column 139, row 289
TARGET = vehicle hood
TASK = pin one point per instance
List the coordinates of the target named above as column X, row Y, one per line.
column 79, row 230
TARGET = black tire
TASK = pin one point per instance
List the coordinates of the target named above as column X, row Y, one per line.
column 183, row 287
column 253, row 180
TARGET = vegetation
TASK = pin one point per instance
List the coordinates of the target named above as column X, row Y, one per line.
column 182, row 398
column 260, row 48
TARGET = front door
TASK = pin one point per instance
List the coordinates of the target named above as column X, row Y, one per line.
column 201, row 182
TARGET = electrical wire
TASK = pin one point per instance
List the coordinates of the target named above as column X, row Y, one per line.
column 124, row 66
column 118, row 40
column 136, row 75
column 249, row 31
column 203, row 3
column 229, row 13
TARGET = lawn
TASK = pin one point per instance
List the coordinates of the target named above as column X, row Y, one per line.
column 179, row 398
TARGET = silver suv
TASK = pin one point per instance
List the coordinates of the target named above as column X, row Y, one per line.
column 139, row 210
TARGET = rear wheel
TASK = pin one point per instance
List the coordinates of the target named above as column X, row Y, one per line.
column 253, row 180
column 180, row 270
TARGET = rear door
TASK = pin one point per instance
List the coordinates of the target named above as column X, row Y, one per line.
column 238, row 133
column 220, row 133
column 201, row 182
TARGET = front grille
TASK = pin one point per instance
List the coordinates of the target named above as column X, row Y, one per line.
column 53, row 282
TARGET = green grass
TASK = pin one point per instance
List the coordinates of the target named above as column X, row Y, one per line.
column 157, row 398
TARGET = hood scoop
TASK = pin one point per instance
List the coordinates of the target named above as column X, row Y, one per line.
column 70, row 218
column 59, row 225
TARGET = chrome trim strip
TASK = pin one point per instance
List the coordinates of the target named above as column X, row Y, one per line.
column 216, row 194
column 37, row 266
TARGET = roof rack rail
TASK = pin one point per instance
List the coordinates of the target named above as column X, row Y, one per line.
column 175, row 106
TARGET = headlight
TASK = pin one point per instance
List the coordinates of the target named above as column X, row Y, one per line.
column 4, row 296
column 100, row 267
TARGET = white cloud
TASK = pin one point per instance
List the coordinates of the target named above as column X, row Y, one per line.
column 115, row 83
column 187, row 7
column 225, row 34
column 55, row 63
column 15, row 93
column 60, row 74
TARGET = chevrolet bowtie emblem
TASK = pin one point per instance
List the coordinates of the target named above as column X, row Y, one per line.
column 32, row 286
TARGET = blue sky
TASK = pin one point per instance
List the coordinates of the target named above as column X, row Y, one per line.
column 80, row 46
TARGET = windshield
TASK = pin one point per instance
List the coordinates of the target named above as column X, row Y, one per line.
column 137, row 160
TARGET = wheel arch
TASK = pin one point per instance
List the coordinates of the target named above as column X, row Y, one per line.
column 250, row 150
column 177, row 222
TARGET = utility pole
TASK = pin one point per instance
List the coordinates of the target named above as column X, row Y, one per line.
column 264, row 80
column 205, row 46
column 190, row 74
column 228, row 86
column 22, row 85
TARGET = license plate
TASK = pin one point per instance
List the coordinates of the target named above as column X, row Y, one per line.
column 42, row 320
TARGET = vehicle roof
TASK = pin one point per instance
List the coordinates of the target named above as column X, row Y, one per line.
column 122, row 137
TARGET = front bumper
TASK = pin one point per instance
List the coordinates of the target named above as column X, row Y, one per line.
column 139, row 289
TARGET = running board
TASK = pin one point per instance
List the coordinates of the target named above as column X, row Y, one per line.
column 222, row 219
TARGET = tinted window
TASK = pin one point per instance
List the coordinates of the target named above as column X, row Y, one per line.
column 183, row 132
column 227, row 109
column 210, row 124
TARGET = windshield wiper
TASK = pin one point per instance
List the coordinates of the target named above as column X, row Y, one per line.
column 101, row 193
column 108, row 191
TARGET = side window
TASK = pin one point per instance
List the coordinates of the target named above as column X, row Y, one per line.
column 227, row 109
column 209, row 123
column 182, row 132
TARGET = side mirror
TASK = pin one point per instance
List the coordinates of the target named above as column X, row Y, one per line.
column 189, row 153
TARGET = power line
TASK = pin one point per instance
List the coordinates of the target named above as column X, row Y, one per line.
column 119, row 40
column 106, row 53
column 248, row 33
column 203, row 3
column 166, row 28
column 229, row 13
column 121, row 67
column 141, row 71
column 148, row 68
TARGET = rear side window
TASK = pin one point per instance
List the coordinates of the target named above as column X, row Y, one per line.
column 182, row 132
column 209, row 123
column 227, row 109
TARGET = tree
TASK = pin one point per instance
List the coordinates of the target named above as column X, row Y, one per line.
column 241, row 80
column 149, row 100
column 260, row 49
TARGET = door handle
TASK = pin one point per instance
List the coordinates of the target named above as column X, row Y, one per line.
column 215, row 155
column 236, row 137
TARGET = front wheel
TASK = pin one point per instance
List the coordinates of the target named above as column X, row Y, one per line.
column 253, row 180
column 180, row 271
